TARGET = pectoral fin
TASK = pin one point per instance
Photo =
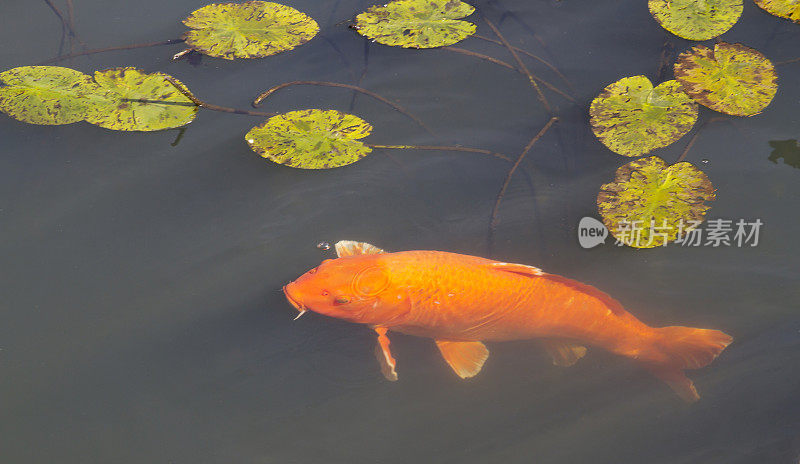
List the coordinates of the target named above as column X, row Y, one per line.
column 466, row 358
column 384, row 355
column 564, row 353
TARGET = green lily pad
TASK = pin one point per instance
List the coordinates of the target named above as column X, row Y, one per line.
column 632, row 118
column 162, row 105
column 789, row 9
column 45, row 94
column 252, row 29
column 696, row 19
column 731, row 78
column 650, row 204
column 311, row 139
column 416, row 23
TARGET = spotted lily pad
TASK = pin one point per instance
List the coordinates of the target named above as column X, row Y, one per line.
column 46, row 94
column 248, row 30
column 731, row 78
column 136, row 101
column 311, row 139
column 696, row 19
column 789, row 9
column 650, row 204
column 632, row 118
column 416, row 23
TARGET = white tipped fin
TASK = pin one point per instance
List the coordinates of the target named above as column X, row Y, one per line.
column 519, row 269
column 564, row 353
column 466, row 358
column 384, row 355
column 350, row 248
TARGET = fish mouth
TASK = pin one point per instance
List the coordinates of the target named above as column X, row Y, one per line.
column 296, row 303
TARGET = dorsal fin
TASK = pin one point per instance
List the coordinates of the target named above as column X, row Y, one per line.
column 612, row 304
column 350, row 248
column 518, row 269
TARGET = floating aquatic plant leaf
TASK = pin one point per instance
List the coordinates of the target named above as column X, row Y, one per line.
column 248, row 30
column 46, row 94
column 789, row 9
column 311, row 139
column 632, row 118
column 136, row 101
column 789, row 150
column 416, row 23
column 649, row 204
column 696, row 19
column 731, row 78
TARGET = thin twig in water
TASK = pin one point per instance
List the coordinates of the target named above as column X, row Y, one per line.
column 795, row 60
column 696, row 134
column 521, row 65
column 493, row 218
column 260, row 99
column 443, row 148
column 535, row 57
column 111, row 49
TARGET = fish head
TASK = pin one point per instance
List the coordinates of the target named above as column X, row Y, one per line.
column 349, row 288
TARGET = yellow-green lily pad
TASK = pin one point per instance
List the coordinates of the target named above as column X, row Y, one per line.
column 311, row 139
column 137, row 101
column 731, row 78
column 789, row 9
column 649, row 204
column 416, row 23
column 252, row 29
column 632, row 118
column 696, row 19
column 45, row 94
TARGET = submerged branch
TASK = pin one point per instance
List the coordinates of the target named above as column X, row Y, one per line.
column 111, row 49
column 696, row 134
column 535, row 57
column 443, row 148
column 794, row 60
column 260, row 99
column 521, row 65
column 493, row 218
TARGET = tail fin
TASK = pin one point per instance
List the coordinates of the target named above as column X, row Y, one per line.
column 685, row 348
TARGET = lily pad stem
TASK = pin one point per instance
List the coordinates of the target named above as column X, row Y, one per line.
column 696, row 134
column 208, row 106
column 493, row 218
column 521, row 65
column 441, row 148
column 260, row 99
column 111, row 49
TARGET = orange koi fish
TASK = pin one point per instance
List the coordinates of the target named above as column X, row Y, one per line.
column 461, row 301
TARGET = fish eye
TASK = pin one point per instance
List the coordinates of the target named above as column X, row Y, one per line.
column 341, row 300
column 325, row 293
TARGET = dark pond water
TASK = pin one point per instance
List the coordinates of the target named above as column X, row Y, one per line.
column 141, row 318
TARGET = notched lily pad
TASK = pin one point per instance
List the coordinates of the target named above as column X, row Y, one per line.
column 248, row 30
column 649, row 203
column 632, row 118
column 311, row 139
column 416, row 23
column 731, row 78
column 789, row 9
column 137, row 101
column 696, row 19
column 45, row 94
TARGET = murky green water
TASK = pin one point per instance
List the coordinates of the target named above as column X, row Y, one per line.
column 141, row 318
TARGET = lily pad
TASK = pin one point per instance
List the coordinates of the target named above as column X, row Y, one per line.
column 696, row 19
column 789, row 9
column 137, row 101
column 416, row 23
column 248, row 30
column 731, row 78
column 45, row 94
column 789, row 150
column 311, row 139
column 649, row 203
column 632, row 118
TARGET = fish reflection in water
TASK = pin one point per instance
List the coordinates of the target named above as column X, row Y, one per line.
column 461, row 301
